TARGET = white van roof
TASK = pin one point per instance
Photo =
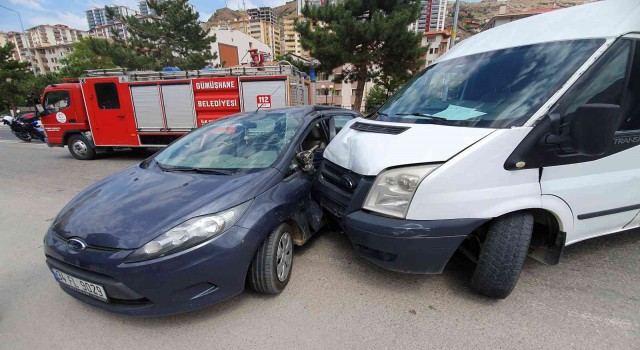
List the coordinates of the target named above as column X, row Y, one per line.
column 602, row 19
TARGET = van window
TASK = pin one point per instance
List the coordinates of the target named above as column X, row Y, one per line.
column 107, row 95
column 55, row 101
column 603, row 83
column 496, row 89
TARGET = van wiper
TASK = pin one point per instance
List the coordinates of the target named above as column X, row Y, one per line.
column 441, row 120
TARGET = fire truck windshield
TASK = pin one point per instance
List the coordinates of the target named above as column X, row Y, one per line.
column 242, row 142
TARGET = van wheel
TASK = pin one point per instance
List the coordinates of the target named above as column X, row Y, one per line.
column 80, row 147
column 503, row 254
column 271, row 266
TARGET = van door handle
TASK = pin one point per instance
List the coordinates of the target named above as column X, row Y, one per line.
column 120, row 116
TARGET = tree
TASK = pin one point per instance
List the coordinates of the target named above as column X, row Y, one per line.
column 377, row 96
column 12, row 74
column 95, row 53
column 174, row 38
column 367, row 38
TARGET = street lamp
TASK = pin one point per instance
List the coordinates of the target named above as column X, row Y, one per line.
column 331, row 88
column 326, row 93
column 33, row 68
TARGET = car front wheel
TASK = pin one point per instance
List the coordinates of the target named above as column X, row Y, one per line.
column 270, row 269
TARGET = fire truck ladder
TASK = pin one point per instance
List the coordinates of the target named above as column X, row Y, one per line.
column 281, row 69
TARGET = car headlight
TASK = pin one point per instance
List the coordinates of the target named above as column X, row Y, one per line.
column 188, row 234
column 393, row 189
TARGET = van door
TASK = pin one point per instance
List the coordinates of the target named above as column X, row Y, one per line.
column 110, row 112
column 602, row 192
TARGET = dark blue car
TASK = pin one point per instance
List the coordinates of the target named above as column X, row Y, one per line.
column 219, row 208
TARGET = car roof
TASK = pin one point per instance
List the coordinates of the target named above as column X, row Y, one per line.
column 304, row 112
column 602, row 19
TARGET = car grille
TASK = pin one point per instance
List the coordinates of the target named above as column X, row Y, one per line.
column 341, row 191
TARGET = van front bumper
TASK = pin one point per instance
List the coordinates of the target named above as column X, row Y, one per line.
column 412, row 246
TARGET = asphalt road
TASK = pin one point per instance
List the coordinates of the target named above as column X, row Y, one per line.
column 591, row 300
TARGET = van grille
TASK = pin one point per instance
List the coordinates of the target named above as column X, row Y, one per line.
column 379, row 129
column 341, row 191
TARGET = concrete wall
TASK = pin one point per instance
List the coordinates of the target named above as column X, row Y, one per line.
column 241, row 41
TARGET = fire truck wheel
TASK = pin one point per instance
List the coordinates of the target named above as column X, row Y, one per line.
column 81, row 148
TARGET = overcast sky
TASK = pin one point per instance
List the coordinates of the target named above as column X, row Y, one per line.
column 71, row 12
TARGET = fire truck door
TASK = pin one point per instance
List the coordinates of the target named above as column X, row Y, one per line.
column 110, row 112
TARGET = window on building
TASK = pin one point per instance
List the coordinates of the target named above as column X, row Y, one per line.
column 107, row 95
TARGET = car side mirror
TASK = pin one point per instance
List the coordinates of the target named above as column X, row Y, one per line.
column 592, row 129
column 305, row 159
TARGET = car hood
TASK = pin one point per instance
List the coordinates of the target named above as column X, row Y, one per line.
column 369, row 152
column 131, row 207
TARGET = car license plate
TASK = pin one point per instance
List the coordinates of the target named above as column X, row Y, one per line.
column 80, row 285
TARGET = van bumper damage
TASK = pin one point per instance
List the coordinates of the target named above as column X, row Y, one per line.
column 412, row 246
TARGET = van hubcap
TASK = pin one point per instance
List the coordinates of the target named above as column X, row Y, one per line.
column 284, row 256
column 80, row 147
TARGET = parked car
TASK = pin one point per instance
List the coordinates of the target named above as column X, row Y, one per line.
column 187, row 227
column 516, row 141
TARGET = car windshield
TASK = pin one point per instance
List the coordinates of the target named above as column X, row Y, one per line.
column 245, row 141
column 496, row 89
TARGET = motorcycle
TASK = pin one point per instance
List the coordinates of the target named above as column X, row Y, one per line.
column 25, row 127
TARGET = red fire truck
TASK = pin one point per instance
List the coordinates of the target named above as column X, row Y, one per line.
column 111, row 109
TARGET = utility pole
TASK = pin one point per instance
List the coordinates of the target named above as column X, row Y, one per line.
column 454, row 30
column 29, row 58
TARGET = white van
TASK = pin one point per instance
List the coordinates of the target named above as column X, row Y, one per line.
column 520, row 140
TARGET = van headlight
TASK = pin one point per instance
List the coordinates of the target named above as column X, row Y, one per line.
column 393, row 189
column 188, row 234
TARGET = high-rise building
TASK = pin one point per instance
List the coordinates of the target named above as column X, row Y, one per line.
column 433, row 14
column 97, row 16
column 44, row 45
column 145, row 10
column 263, row 13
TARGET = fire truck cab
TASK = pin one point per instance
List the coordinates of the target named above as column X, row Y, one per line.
column 111, row 109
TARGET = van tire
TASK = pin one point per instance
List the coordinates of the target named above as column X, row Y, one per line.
column 503, row 254
column 80, row 147
column 263, row 272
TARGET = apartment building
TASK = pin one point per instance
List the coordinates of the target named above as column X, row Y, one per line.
column 433, row 14
column 259, row 29
column 46, row 44
column 290, row 37
column 437, row 43
column 97, row 16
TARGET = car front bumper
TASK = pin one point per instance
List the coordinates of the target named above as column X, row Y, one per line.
column 197, row 277
column 412, row 246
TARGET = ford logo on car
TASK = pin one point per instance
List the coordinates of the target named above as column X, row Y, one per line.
column 76, row 244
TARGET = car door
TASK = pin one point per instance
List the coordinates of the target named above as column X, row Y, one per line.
column 603, row 192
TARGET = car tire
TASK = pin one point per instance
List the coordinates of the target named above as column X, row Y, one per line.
column 502, row 255
column 272, row 264
column 80, row 147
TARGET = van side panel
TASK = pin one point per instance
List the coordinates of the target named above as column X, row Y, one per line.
column 474, row 183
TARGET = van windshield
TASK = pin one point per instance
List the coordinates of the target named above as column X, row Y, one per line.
column 238, row 143
column 496, row 89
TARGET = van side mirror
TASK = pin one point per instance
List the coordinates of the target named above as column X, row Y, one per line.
column 39, row 109
column 592, row 129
